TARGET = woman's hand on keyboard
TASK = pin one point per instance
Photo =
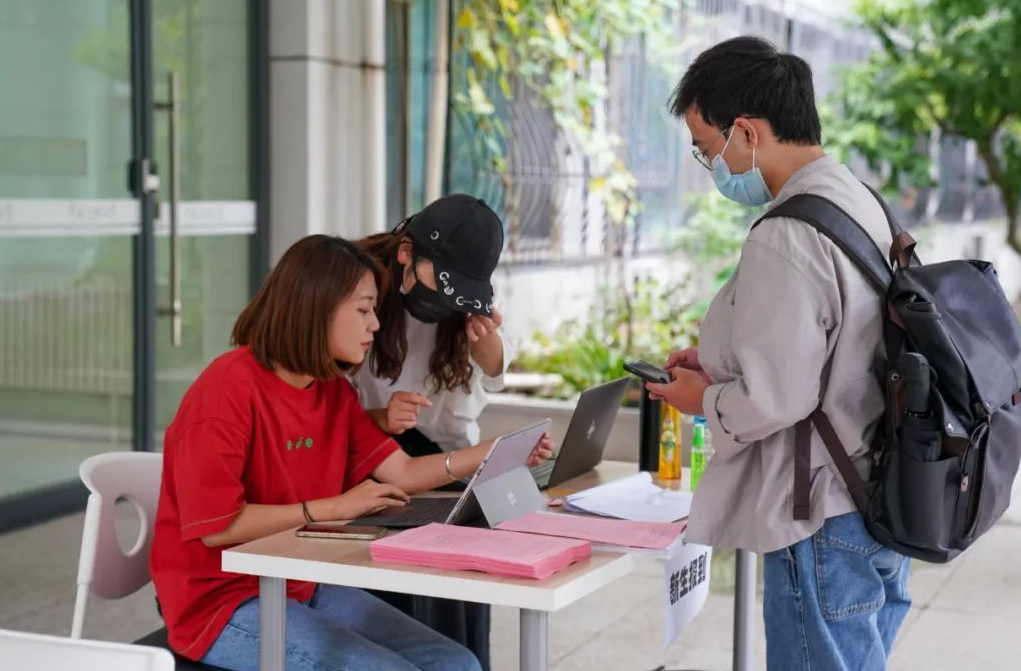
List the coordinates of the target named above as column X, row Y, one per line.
column 543, row 451
column 363, row 499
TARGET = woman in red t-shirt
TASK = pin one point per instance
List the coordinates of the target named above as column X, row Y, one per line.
column 271, row 436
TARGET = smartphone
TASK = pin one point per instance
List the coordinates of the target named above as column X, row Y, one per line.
column 647, row 371
column 340, row 530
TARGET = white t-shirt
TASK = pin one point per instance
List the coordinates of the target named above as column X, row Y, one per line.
column 451, row 422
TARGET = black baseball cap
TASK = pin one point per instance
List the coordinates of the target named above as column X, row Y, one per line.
column 463, row 238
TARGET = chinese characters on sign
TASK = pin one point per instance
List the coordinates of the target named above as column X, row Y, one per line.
column 688, row 578
column 686, row 582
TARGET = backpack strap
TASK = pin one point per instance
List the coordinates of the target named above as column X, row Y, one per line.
column 830, row 220
column 856, row 487
column 834, row 223
column 902, row 251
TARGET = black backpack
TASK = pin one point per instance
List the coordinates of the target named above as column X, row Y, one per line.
column 944, row 455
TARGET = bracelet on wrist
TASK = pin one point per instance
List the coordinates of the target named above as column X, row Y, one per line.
column 306, row 513
column 450, row 473
column 446, row 467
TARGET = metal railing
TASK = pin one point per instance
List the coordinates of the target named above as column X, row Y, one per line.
column 552, row 217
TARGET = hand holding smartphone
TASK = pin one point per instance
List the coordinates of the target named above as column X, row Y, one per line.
column 341, row 531
column 648, row 372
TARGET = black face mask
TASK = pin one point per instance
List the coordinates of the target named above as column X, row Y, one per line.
column 424, row 304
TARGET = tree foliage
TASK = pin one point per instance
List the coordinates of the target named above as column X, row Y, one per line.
column 947, row 65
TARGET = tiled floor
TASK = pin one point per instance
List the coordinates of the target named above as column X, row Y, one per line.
column 967, row 615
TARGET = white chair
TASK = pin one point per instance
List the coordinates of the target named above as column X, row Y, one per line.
column 104, row 568
column 57, row 653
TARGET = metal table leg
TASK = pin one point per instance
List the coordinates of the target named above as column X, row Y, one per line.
column 272, row 623
column 534, row 640
column 744, row 611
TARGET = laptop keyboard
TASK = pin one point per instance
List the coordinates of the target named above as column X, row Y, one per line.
column 419, row 512
column 543, row 471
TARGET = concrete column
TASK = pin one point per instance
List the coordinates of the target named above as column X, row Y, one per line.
column 327, row 119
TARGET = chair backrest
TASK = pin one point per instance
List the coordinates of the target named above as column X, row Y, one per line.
column 20, row 650
column 103, row 567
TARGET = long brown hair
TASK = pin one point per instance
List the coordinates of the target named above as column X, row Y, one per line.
column 288, row 320
column 449, row 366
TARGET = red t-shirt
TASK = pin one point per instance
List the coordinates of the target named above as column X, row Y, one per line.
column 243, row 435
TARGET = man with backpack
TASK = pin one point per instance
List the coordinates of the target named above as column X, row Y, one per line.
column 863, row 412
column 797, row 324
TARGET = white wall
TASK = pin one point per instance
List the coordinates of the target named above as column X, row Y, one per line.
column 327, row 120
column 539, row 298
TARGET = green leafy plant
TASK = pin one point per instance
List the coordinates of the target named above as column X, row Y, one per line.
column 650, row 319
column 654, row 320
column 711, row 239
column 715, row 230
column 559, row 50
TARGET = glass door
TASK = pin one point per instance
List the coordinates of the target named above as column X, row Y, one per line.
column 127, row 220
column 67, row 222
column 201, row 49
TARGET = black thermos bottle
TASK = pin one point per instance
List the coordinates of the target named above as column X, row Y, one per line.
column 919, row 439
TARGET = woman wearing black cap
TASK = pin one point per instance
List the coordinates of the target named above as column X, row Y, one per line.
column 438, row 351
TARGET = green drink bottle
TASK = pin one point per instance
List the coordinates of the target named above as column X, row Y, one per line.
column 700, row 451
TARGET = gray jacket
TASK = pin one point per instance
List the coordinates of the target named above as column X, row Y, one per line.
column 795, row 323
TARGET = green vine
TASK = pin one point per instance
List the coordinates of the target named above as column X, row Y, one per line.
column 558, row 49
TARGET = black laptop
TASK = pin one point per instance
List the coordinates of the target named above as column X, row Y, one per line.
column 586, row 435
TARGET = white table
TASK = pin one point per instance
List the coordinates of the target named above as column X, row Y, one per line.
column 284, row 556
column 745, row 564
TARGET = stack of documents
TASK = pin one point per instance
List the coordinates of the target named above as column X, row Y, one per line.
column 633, row 498
column 467, row 548
column 624, row 533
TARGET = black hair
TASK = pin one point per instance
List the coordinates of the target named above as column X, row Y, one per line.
column 747, row 76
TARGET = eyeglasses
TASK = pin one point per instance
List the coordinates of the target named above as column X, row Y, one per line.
column 703, row 156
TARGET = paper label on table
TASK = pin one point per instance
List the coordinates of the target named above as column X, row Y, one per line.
column 685, row 588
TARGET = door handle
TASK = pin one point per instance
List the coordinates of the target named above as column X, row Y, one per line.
column 172, row 105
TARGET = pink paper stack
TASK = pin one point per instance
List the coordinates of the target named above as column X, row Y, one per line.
column 467, row 548
column 625, row 533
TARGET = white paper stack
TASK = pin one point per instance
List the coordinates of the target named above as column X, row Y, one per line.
column 632, row 498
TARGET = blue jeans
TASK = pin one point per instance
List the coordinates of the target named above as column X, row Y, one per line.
column 834, row 602
column 341, row 629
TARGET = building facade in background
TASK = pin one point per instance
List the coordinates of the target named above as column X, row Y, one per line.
column 294, row 117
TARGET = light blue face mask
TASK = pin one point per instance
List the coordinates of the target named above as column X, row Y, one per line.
column 748, row 188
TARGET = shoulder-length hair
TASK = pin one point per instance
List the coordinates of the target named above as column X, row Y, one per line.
column 449, row 365
column 287, row 322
